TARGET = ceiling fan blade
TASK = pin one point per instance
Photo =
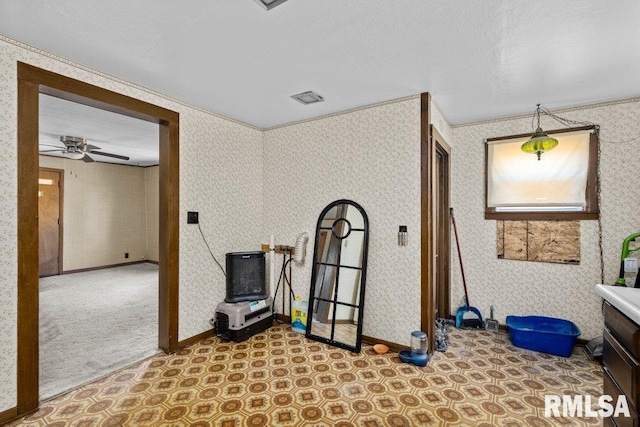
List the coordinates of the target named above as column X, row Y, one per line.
column 48, row 151
column 115, row 156
column 87, row 159
column 90, row 147
column 51, row 145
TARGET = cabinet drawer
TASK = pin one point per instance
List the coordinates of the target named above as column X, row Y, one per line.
column 608, row 422
column 623, row 328
column 623, row 367
column 612, row 389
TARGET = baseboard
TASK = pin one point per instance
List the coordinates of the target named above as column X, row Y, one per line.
column 194, row 339
column 9, row 415
column 283, row 318
column 392, row 345
column 365, row 339
column 102, row 267
column 153, row 262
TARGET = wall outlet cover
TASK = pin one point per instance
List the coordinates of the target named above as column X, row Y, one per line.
column 192, row 217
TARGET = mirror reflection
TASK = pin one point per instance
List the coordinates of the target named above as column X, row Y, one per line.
column 338, row 277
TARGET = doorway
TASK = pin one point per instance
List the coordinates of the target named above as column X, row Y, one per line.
column 434, row 222
column 33, row 81
column 50, row 220
column 443, row 221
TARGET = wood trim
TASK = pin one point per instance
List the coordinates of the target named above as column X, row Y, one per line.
column 9, row 415
column 168, row 236
column 196, row 338
column 283, row 317
column 392, row 345
column 31, row 82
column 443, row 234
column 28, row 262
column 103, row 267
column 427, row 226
column 84, row 93
column 592, row 210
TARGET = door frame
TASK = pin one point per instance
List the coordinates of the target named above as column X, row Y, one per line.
column 430, row 140
column 31, row 82
column 60, row 173
column 443, row 234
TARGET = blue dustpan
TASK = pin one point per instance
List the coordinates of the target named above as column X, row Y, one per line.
column 460, row 315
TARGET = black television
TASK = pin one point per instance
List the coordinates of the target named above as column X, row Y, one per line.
column 246, row 277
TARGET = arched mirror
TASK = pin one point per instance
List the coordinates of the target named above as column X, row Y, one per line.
column 336, row 297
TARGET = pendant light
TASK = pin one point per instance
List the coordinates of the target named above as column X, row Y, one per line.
column 540, row 142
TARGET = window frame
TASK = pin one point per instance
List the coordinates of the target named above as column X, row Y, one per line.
column 591, row 210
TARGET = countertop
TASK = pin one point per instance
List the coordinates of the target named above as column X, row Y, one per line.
column 625, row 299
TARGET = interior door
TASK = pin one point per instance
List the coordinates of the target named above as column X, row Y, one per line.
column 50, row 195
column 443, row 220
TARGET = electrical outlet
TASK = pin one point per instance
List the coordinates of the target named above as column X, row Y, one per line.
column 126, row 254
column 192, row 217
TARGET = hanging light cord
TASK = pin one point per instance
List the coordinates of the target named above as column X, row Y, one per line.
column 576, row 123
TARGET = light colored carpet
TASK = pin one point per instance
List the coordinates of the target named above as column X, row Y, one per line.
column 94, row 323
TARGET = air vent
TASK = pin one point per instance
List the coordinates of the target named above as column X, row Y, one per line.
column 270, row 4
column 308, row 98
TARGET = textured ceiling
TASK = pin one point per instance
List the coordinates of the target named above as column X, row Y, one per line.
column 479, row 58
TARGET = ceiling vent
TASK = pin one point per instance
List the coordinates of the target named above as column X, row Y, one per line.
column 308, row 98
column 270, row 4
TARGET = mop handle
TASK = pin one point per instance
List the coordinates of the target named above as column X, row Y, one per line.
column 464, row 281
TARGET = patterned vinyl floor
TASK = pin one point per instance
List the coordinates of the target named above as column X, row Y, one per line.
column 279, row 378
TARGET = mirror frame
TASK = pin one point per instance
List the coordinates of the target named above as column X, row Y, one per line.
column 363, row 276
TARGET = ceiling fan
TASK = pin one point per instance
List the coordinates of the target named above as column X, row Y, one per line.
column 76, row 148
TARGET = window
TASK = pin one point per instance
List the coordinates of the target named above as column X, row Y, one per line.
column 561, row 185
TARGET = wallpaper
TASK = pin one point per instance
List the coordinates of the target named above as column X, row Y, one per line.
column 111, row 195
column 220, row 176
column 152, row 192
column 555, row 290
column 371, row 156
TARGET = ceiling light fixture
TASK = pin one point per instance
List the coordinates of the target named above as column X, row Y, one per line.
column 539, row 142
column 73, row 155
column 307, row 98
column 270, row 4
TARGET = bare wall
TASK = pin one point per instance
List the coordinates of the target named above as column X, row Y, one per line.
column 371, row 156
column 152, row 194
column 105, row 213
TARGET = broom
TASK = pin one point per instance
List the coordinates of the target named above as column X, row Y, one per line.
column 467, row 317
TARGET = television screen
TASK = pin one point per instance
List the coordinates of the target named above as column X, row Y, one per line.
column 246, row 276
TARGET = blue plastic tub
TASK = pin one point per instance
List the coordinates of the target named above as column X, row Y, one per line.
column 543, row 334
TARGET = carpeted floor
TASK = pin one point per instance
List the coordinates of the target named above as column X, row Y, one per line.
column 94, row 323
column 280, row 378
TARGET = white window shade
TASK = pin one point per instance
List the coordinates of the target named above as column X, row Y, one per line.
column 516, row 179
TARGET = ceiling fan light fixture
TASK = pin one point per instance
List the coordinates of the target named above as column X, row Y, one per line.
column 270, row 4
column 73, row 155
column 539, row 142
